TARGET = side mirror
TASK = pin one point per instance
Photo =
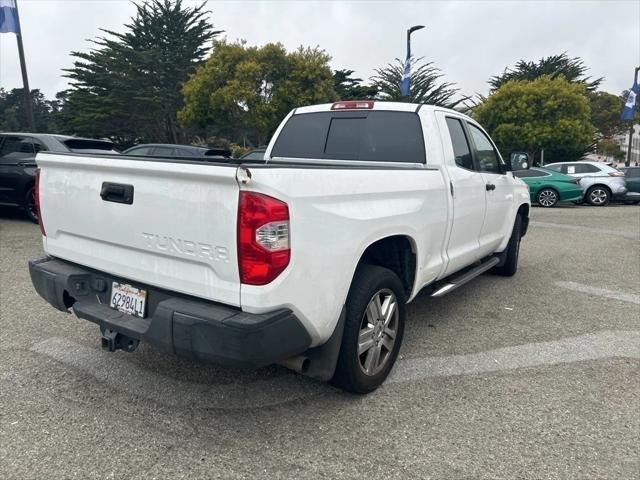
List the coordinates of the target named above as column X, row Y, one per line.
column 519, row 161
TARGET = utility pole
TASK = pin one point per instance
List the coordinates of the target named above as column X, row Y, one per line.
column 627, row 162
column 25, row 80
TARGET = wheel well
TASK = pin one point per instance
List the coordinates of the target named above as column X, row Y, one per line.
column 395, row 253
column 601, row 185
column 523, row 211
column 548, row 188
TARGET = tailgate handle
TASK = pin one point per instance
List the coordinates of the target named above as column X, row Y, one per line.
column 117, row 192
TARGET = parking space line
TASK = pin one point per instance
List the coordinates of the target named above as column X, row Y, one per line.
column 600, row 292
column 116, row 371
column 603, row 231
column 595, row 346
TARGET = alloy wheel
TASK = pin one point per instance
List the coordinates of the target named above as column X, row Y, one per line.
column 547, row 198
column 378, row 331
column 598, row 196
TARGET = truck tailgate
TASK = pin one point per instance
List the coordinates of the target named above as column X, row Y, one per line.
column 178, row 232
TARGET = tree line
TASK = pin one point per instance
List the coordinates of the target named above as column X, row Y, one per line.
column 171, row 78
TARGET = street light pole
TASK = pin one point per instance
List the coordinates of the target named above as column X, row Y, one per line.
column 409, row 32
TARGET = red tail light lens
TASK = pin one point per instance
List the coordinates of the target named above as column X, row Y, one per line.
column 37, row 202
column 263, row 238
column 616, row 174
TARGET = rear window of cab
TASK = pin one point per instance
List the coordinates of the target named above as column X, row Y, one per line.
column 372, row 136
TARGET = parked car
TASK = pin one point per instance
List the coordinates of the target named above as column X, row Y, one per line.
column 171, row 150
column 632, row 178
column 307, row 260
column 17, row 163
column 548, row 187
column 257, row 154
column 601, row 183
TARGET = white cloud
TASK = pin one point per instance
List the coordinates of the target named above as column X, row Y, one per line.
column 469, row 40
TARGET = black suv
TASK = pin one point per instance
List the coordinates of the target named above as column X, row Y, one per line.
column 18, row 165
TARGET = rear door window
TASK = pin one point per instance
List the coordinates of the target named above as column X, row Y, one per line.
column 163, row 151
column 16, row 147
column 529, row 173
column 374, row 136
column 140, row 151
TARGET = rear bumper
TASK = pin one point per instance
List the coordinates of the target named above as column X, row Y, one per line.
column 187, row 326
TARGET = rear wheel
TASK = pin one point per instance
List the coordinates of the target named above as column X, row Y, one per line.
column 373, row 330
column 548, row 197
column 598, row 196
column 30, row 205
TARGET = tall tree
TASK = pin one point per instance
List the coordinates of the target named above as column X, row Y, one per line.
column 13, row 116
column 349, row 88
column 548, row 113
column 572, row 69
column 244, row 92
column 129, row 86
column 426, row 86
column 605, row 113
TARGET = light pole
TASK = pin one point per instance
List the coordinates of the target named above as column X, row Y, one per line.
column 407, row 65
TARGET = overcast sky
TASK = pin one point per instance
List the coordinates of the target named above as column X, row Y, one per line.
column 469, row 40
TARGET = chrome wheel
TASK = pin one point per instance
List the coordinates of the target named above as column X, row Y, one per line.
column 378, row 331
column 598, row 196
column 547, row 198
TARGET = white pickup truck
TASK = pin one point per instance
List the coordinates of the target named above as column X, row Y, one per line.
column 306, row 258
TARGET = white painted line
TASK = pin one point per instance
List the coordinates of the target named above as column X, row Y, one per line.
column 600, row 292
column 595, row 346
column 603, row 231
column 115, row 370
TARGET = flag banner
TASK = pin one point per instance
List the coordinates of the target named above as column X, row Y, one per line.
column 630, row 106
column 406, row 78
column 9, row 17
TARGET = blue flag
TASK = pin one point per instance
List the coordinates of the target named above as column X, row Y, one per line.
column 9, row 17
column 406, row 78
column 630, row 106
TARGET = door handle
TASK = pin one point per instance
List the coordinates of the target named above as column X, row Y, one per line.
column 117, row 193
column 490, row 186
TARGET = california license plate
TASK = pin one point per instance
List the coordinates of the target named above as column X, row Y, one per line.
column 128, row 299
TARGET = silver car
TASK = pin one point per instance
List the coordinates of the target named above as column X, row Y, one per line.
column 600, row 182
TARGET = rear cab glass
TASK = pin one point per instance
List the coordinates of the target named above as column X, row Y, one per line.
column 372, row 136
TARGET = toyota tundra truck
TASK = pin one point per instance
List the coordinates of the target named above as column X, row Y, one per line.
column 306, row 258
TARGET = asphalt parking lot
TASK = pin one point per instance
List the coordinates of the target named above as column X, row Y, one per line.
column 537, row 376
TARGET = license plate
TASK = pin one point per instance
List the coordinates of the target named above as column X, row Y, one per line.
column 128, row 299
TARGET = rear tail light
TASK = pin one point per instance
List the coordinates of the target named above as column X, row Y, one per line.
column 616, row 174
column 263, row 238
column 352, row 105
column 37, row 202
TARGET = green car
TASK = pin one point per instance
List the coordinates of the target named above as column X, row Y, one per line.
column 632, row 179
column 547, row 187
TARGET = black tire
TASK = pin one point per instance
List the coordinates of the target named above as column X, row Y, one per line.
column 598, row 196
column 369, row 282
column 547, row 198
column 509, row 266
column 30, row 205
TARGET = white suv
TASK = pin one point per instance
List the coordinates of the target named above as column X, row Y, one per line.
column 599, row 181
